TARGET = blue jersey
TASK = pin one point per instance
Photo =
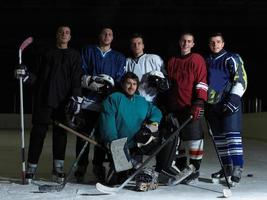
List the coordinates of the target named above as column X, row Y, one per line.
column 226, row 75
column 95, row 62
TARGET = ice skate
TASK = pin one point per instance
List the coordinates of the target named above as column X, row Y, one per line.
column 58, row 174
column 236, row 175
column 218, row 177
column 30, row 173
column 183, row 176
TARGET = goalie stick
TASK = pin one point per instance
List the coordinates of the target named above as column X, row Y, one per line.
column 26, row 43
column 226, row 192
column 113, row 190
column 118, row 149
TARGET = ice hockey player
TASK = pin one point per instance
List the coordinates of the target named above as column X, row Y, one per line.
column 127, row 114
column 102, row 71
column 188, row 79
column 146, row 65
column 57, row 85
column 227, row 83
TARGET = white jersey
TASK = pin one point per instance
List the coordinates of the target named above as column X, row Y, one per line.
column 142, row 66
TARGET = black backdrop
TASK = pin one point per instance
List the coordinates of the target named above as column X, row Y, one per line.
column 160, row 21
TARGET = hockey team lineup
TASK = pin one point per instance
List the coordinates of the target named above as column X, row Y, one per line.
column 134, row 110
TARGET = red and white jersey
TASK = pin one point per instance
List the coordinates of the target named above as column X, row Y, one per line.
column 188, row 76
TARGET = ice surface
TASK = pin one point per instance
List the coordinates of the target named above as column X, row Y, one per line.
column 250, row 188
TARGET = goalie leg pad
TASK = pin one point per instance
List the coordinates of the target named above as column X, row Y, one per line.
column 146, row 180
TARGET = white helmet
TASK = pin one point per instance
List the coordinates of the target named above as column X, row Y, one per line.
column 103, row 78
column 156, row 73
column 156, row 79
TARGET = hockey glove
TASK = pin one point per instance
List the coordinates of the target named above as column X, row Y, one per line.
column 21, row 72
column 74, row 105
column 101, row 83
column 89, row 82
column 197, row 109
column 147, row 138
column 231, row 105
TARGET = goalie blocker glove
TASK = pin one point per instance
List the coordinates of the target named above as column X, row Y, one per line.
column 21, row 72
column 101, row 83
column 231, row 105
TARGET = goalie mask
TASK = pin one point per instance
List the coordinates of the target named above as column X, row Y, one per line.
column 157, row 80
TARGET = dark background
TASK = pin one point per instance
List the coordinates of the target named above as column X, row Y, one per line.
column 243, row 23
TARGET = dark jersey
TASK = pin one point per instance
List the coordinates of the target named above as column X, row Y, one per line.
column 58, row 77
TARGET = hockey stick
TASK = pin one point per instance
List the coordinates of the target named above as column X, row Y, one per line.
column 79, row 134
column 226, row 192
column 58, row 188
column 26, row 42
column 113, row 190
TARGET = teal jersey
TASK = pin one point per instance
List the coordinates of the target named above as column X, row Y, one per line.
column 123, row 116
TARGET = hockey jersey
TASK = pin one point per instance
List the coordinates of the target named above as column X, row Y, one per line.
column 123, row 116
column 95, row 62
column 57, row 77
column 141, row 66
column 188, row 77
column 226, row 74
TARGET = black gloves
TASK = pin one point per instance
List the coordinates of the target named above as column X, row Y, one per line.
column 21, row 72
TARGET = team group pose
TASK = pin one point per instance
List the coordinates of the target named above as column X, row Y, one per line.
column 107, row 96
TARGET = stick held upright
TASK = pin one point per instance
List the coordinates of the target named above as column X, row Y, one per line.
column 25, row 43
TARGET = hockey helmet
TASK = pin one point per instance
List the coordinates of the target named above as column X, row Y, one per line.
column 157, row 80
column 105, row 79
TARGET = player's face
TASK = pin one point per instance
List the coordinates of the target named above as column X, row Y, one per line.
column 63, row 35
column 106, row 37
column 137, row 46
column 129, row 86
column 186, row 43
column 216, row 44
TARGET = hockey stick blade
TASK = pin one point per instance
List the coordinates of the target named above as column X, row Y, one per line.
column 50, row 188
column 108, row 190
column 227, row 193
column 112, row 190
column 26, row 43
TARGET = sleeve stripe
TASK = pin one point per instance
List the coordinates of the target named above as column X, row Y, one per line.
column 202, row 86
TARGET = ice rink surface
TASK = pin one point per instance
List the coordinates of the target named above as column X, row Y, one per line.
column 251, row 187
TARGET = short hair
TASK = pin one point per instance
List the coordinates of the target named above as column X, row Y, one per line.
column 137, row 35
column 216, row 34
column 187, row 33
column 61, row 26
column 129, row 75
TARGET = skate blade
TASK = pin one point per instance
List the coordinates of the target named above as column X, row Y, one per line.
column 57, row 179
column 29, row 181
column 216, row 180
